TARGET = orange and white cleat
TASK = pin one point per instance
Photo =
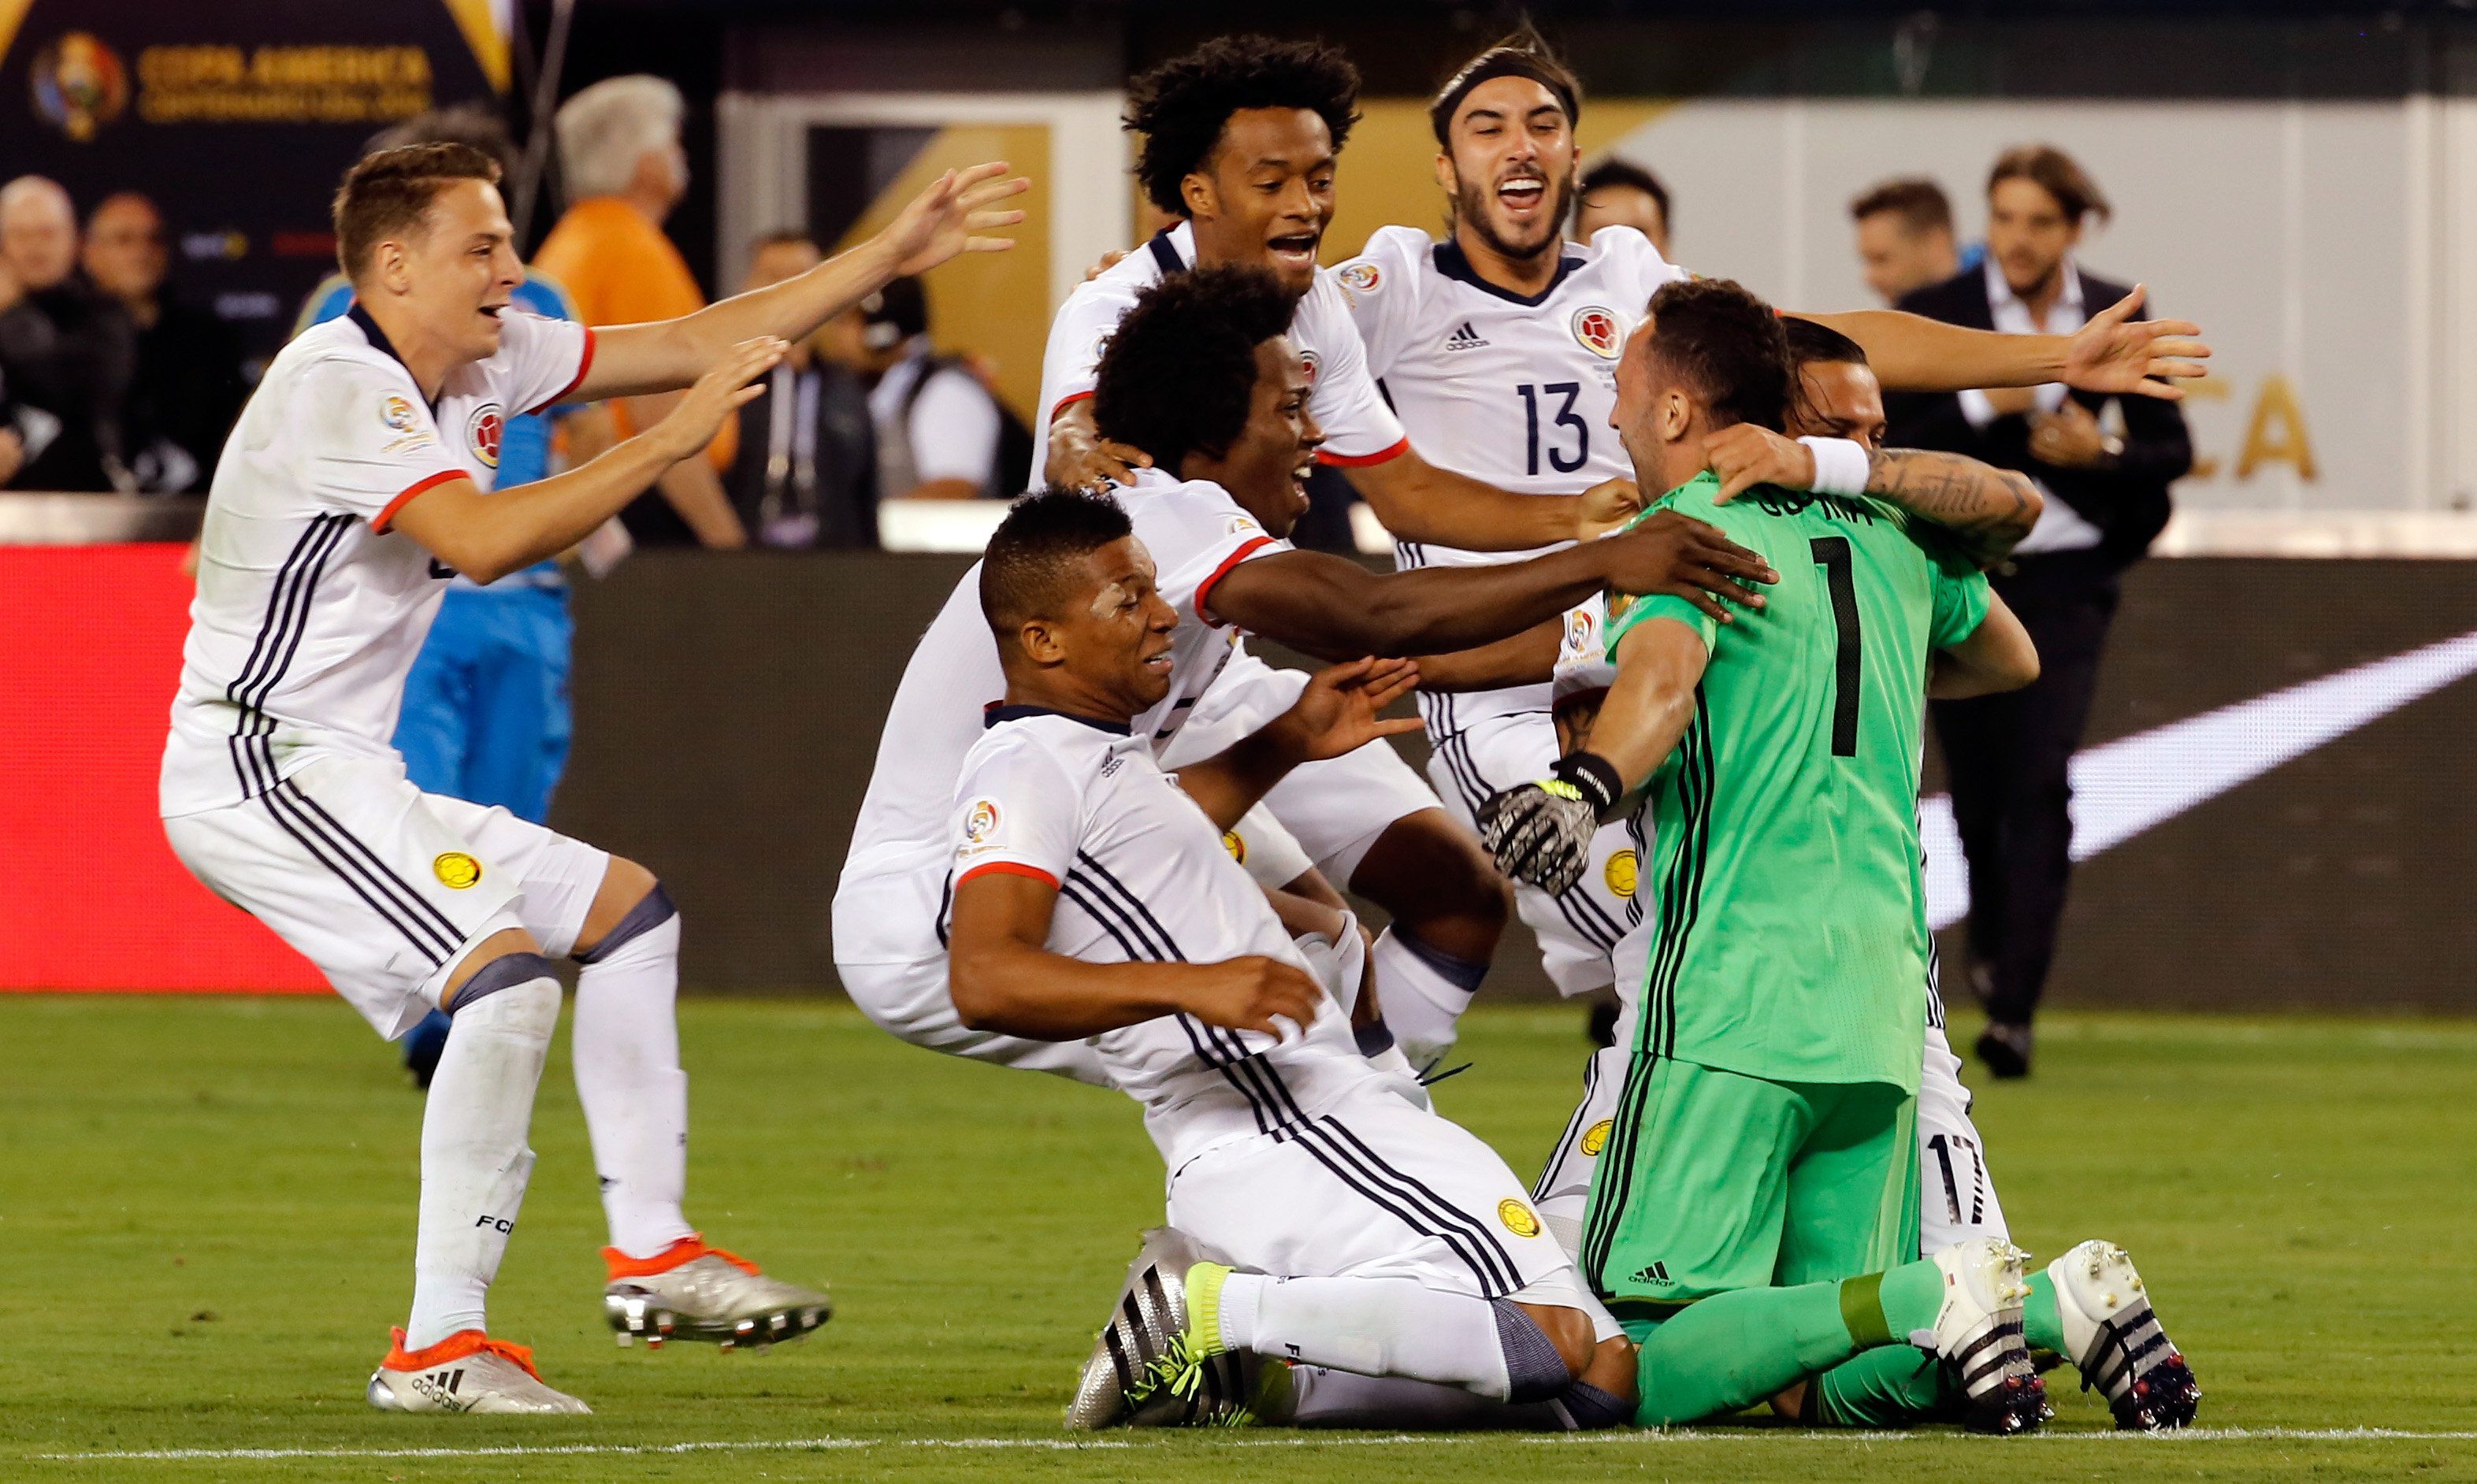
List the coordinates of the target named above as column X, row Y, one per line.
column 689, row 1291
column 467, row 1372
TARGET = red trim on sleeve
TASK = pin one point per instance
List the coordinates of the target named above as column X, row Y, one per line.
column 1204, row 589
column 1068, row 401
column 388, row 515
column 584, row 364
column 1010, row 868
column 1362, row 461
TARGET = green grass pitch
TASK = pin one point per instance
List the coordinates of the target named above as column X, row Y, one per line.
column 207, row 1210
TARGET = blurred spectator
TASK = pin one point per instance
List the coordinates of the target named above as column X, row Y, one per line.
column 187, row 387
column 942, row 434
column 1905, row 238
column 807, row 471
column 67, row 350
column 620, row 156
column 1619, row 193
column 2105, row 493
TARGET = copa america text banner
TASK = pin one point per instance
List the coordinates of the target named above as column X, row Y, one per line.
column 235, row 116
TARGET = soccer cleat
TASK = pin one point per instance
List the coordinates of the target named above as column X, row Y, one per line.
column 2005, row 1048
column 2117, row 1342
column 689, row 1291
column 467, row 1372
column 1977, row 1331
column 1153, row 1364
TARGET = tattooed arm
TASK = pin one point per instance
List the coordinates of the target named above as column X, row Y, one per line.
column 1987, row 510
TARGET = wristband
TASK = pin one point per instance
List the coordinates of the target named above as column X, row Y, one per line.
column 1592, row 778
column 1841, row 465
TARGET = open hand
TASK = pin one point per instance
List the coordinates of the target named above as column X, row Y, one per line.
column 1254, row 993
column 1337, row 712
column 2116, row 352
column 1685, row 557
column 1745, row 455
column 1081, row 459
column 950, row 217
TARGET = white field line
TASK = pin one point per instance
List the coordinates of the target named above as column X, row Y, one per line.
column 1638, row 1439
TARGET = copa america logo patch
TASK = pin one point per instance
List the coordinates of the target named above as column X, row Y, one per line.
column 1360, row 276
column 1597, row 328
column 482, row 433
column 397, row 414
column 1307, row 358
column 982, row 822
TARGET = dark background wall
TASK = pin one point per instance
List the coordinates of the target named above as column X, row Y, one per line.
column 728, row 712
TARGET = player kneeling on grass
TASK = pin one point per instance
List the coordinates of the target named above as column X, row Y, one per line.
column 1318, row 1213
column 357, row 481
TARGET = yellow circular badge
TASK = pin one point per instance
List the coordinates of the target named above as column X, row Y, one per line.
column 1232, row 842
column 1518, row 1217
column 1622, row 872
column 457, row 870
column 1595, row 1138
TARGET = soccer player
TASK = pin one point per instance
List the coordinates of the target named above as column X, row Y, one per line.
column 353, row 486
column 1497, row 349
column 1202, row 377
column 1765, row 1132
column 484, row 717
column 1318, row 1214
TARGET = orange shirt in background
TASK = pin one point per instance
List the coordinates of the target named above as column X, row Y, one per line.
column 619, row 269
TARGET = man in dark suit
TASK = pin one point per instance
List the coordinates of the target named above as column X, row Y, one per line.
column 2106, row 479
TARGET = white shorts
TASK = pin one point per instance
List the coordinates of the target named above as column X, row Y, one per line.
column 910, row 1000
column 1333, row 809
column 1375, row 1187
column 1273, row 857
column 1578, row 930
column 383, row 887
column 1957, row 1197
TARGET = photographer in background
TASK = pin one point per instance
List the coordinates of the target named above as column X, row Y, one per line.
column 2010, row 755
column 942, row 434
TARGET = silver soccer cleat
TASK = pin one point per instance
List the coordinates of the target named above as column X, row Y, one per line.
column 1141, row 1372
column 1978, row 1332
column 716, row 1298
column 467, row 1372
column 2116, row 1341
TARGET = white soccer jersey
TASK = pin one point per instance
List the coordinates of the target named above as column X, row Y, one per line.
column 1142, row 876
column 892, row 880
column 1511, row 391
column 1358, row 427
column 309, row 609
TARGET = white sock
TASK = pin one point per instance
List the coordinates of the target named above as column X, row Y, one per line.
column 1373, row 1326
column 1420, row 1004
column 627, row 1053
column 474, row 1162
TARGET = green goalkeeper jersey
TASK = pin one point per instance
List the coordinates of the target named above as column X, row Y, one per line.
column 1789, row 913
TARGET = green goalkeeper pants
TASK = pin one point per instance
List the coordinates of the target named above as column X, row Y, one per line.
column 1712, row 1181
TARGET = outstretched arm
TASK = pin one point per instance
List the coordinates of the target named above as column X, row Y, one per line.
column 1987, row 510
column 1336, row 714
column 1004, row 977
column 1419, row 502
column 1528, row 659
column 946, row 219
column 1335, row 608
column 2113, row 352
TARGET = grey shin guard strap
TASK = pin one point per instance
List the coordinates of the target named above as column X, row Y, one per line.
column 1534, row 1370
column 505, row 972
column 1589, row 1408
column 651, row 911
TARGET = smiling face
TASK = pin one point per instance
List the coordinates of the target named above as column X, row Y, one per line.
column 451, row 275
column 1511, row 170
column 1266, row 467
column 1109, row 641
column 1838, row 399
column 1265, row 196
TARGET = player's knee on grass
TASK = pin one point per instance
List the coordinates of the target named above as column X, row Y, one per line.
column 630, row 903
column 1438, row 884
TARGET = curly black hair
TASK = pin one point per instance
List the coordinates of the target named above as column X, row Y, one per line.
column 1727, row 346
column 1180, row 370
column 1181, row 106
column 1029, row 569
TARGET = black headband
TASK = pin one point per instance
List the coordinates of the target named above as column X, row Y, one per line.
column 1495, row 63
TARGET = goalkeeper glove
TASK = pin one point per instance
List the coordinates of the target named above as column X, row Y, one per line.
column 1541, row 832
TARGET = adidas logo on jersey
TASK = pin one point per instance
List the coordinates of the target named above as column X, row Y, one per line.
column 1465, row 339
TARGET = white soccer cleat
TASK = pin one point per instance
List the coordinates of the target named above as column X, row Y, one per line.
column 1977, row 1331
column 467, row 1372
column 1146, row 1368
column 2115, row 1338
column 690, row 1291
